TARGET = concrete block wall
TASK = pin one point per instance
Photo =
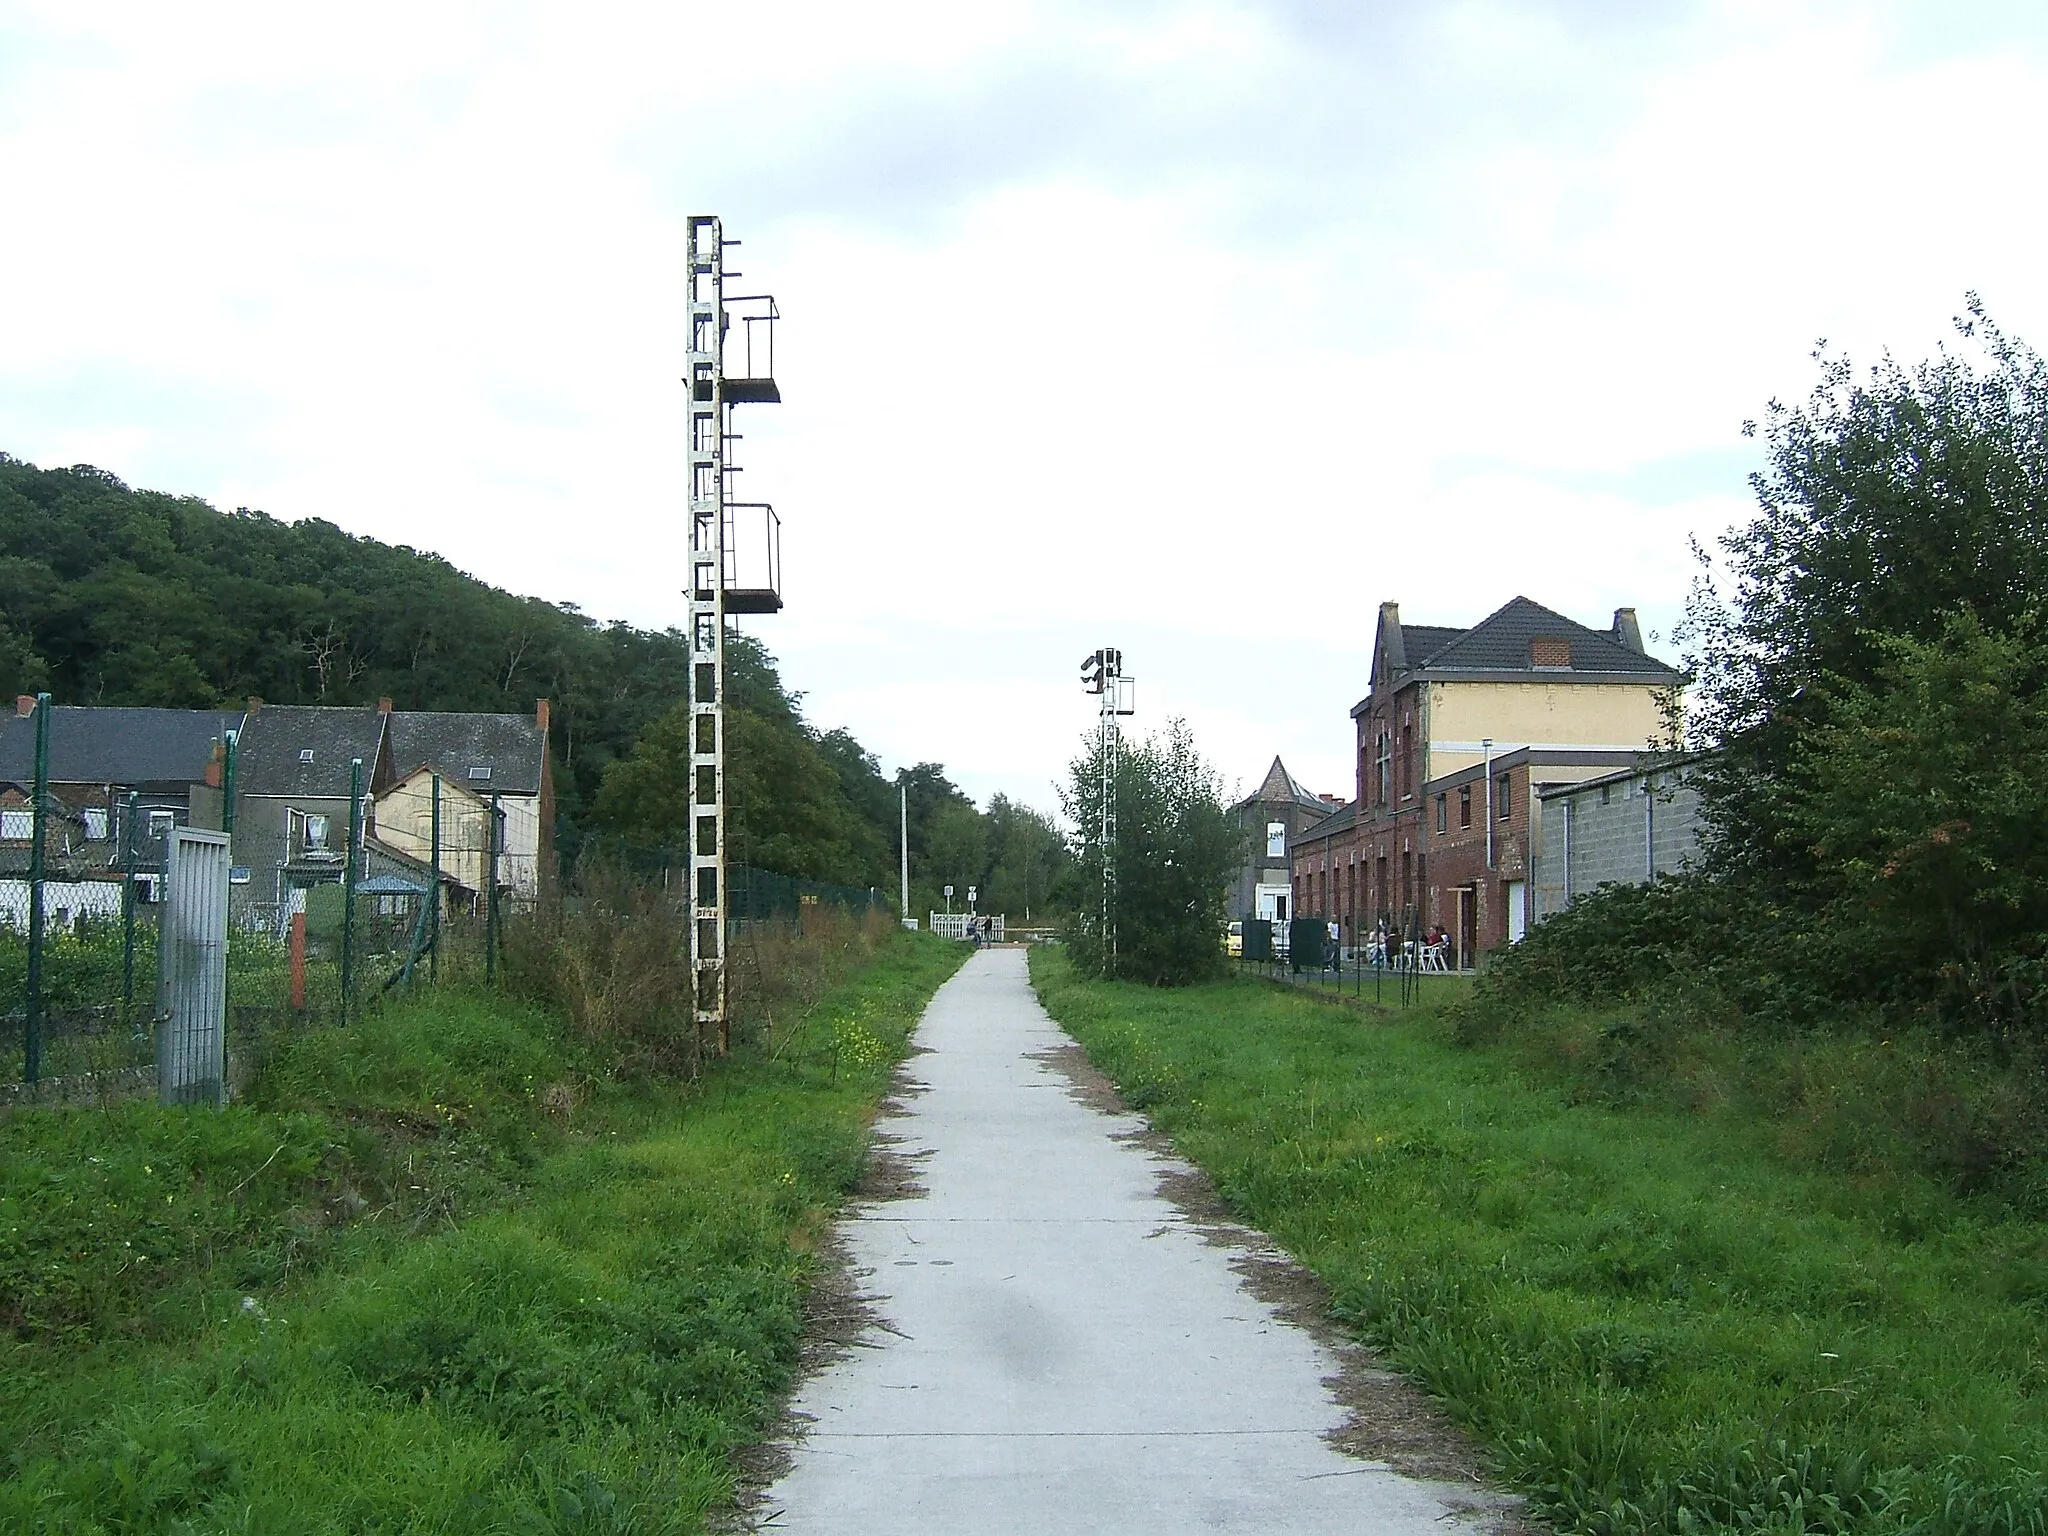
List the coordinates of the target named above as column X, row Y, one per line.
column 1609, row 840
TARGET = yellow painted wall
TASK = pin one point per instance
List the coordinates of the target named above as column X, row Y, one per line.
column 1539, row 712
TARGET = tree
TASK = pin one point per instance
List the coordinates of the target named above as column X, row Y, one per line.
column 1176, row 847
column 1874, row 686
column 1027, row 859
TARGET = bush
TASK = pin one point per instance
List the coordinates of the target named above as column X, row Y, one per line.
column 1176, row 847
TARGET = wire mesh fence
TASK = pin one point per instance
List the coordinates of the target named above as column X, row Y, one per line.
column 323, row 922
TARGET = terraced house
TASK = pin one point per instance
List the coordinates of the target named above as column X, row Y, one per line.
column 1458, row 734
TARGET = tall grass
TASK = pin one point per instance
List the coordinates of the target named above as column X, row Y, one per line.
column 1659, row 1317
column 448, row 1270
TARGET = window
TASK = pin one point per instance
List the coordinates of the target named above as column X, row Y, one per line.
column 1606, row 793
column 96, row 824
column 161, row 822
column 1407, row 761
column 316, row 832
column 1443, row 814
column 17, row 826
column 482, row 775
column 1383, row 763
column 305, row 754
column 1276, row 839
column 1464, row 805
column 1503, row 801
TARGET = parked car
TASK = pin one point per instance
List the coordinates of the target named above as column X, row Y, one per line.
column 1233, row 943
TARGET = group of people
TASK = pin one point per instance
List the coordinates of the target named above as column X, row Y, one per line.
column 979, row 930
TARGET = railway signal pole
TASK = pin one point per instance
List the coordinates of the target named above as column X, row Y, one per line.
column 735, row 568
column 1103, row 674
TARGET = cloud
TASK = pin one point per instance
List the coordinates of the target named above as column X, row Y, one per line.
column 1193, row 327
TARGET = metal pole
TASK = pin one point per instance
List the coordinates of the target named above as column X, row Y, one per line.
column 39, row 811
column 1486, row 746
column 491, row 899
column 128, row 914
column 903, row 811
column 434, row 891
column 348, row 884
column 227, row 793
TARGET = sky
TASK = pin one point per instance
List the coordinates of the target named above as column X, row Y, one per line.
column 1196, row 329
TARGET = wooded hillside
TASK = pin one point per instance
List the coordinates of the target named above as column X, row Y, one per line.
column 116, row 596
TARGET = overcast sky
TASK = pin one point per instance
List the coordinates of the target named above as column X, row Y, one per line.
column 1198, row 329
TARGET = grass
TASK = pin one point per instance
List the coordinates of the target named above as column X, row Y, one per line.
column 439, row 1274
column 1659, row 1318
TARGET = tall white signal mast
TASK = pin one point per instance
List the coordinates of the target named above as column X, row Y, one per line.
column 1103, row 673
column 735, row 568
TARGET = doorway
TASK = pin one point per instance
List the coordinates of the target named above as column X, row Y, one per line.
column 1468, row 926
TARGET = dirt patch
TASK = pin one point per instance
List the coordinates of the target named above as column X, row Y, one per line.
column 1389, row 1419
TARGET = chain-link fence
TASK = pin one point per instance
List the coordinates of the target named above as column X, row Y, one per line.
column 323, row 922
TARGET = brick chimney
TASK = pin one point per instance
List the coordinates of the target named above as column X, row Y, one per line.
column 383, row 706
column 540, row 715
column 255, row 704
column 25, row 705
column 1627, row 631
column 214, row 765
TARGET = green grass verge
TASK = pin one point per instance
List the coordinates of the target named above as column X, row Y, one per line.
column 474, row 1289
column 1655, row 1321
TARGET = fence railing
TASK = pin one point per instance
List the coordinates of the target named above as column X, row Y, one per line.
column 308, row 943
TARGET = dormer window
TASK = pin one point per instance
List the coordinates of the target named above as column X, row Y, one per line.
column 305, row 754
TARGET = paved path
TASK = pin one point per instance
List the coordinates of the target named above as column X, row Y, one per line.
column 1063, row 1350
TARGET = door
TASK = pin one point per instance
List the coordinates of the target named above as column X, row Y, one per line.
column 192, row 970
column 1468, row 926
column 1518, row 914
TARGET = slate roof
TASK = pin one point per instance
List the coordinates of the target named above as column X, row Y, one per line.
column 1500, row 643
column 1279, row 784
column 1425, row 640
column 1331, row 824
column 512, row 747
column 132, row 747
column 268, row 762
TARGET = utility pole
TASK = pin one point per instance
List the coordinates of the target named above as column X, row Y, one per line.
column 727, row 576
column 903, row 812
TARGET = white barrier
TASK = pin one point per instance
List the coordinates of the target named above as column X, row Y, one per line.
column 953, row 925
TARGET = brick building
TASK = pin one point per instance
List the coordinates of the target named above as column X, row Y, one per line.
column 1272, row 817
column 1461, row 731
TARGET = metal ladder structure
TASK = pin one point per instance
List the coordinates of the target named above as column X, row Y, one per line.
column 735, row 568
column 1103, row 673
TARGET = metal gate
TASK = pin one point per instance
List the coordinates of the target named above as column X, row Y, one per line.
column 192, row 970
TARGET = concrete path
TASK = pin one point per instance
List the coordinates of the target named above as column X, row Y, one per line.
column 1062, row 1351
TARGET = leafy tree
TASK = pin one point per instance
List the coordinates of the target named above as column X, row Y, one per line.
column 1026, row 860
column 1872, row 694
column 956, row 850
column 1888, row 505
column 1176, row 848
column 1918, row 794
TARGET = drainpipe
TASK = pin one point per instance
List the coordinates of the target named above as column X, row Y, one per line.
column 1486, row 746
column 1650, row 826
column 1571, row 805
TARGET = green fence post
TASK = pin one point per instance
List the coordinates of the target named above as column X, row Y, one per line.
column 128, row 913
column 348, row 884
column 39, row 832
column 434, row 890
column 491, row 898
